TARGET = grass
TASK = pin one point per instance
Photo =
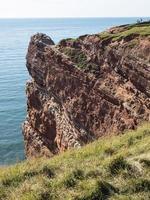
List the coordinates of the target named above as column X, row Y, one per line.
column 142, row 29
column 116, row 168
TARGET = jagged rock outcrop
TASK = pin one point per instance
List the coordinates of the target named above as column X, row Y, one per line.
column 85, row 88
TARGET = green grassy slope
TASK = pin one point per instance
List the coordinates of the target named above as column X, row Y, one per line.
column 141, row 29
column 110, row 168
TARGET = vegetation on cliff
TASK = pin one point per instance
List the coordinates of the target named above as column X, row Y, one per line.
column 141, row 29
column 130, row 33
column 110, row 168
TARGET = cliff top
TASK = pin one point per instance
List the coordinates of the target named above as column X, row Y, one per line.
column 110, row 168
column 120, row 32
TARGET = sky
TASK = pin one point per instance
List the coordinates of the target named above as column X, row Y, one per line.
column 73, row 8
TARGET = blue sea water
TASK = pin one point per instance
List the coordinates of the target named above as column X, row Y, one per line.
column 14, row 38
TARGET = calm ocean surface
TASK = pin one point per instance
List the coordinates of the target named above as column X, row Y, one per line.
column 14, row 38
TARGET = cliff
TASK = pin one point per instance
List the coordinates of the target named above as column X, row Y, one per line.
column 86, row 88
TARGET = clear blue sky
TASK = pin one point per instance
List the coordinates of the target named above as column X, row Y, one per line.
column 74, row 8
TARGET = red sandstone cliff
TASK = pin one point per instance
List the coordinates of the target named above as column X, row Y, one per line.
column 84, row 88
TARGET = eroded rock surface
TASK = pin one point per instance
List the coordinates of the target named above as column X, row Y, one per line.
column 85, row 88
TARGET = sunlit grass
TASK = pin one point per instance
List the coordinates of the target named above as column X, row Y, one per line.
column 116, row 168
column 135, row 29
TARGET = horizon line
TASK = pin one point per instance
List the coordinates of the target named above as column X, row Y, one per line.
column 74, row 17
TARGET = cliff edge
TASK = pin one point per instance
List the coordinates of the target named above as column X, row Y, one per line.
column 86, row 88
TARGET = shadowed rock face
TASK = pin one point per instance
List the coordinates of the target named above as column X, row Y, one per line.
column 85, row 88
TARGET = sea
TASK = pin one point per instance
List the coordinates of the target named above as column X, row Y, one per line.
column 14, row 39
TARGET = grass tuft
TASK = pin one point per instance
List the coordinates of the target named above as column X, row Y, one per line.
column 47, row 172
column 118, row 165
column 109, row 151
column 141, row 185
column 101, row 191
column 145, row 162
column 71, row 179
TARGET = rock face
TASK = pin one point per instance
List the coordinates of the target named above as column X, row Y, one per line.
column 85, row 88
